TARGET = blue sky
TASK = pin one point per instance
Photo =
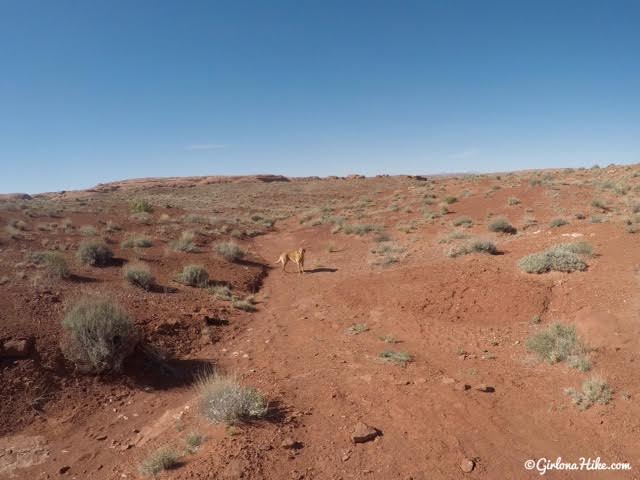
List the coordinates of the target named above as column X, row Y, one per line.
column 99, row 90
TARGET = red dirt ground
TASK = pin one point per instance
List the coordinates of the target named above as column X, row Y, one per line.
column 465, row 320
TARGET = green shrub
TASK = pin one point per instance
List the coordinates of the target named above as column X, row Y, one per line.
column 230, row 251
column 194, row 276
column 139, row 275
column 99, row 335
column 141, row 205
column 560, row 258
column 94, row 253
column 502, row 225
column 162, row 459
column 54, row 263
column 594, row 390
column 560, row 343
column 223, row 400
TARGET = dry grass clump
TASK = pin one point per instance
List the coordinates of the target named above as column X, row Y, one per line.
column 163, row 459
column 139, row 275
column 463, row 222
column 99, row 335
column 194, row 276
column 559, row 258
column 94, row 253
column 558, row 222
column 224, row 400
column 359, row 229
column 141, row 205
column 245, row 304
column 477, row 246
column 449, row 199
column 512, row 201
column 137, row 242
column 185, row 243
column 54, row 263
column 593, row 391
column 230, row 251
column 223, row 292
column 502, row 225
column 88, row 231
column 397, row 358
column 560, row 343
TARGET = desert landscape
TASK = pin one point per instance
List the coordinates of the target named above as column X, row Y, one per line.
column 445, row 327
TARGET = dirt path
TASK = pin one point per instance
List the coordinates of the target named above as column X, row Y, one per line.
column 471, row 392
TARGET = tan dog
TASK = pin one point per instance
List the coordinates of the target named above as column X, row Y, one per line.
column 297, row 257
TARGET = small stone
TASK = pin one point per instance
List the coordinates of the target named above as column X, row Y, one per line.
column 485, row 388
column 363, row 433
column 289, row 443
column 64, row 469
column 467, row 465
column 101, row 437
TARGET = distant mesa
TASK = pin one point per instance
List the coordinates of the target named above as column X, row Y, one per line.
column 15, row 196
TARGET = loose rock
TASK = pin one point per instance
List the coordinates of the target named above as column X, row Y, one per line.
column 364, row 433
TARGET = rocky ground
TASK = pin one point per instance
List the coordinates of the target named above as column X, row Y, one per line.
column 394, row 357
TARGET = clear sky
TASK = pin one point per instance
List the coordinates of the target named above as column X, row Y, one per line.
column 100, row 90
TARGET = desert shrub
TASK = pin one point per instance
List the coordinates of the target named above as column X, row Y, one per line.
column 230, row 251
column 502, row 225
column 245, row 304
column 381, row 237
column 513, row 201
column 99, row 335
column 163, row 459
column 193, row 441
column 194, row 276
column 223, row 400
column 138, row 242
column 560, row 343
column 139, row 275
column 397, row 358
column 594, row 390
column 451, row 236
column 112, row 227
column 449, row 199
column 477, row 246
column 560, row 258
column 599, row 204
column 141, row 205
column 359, row 229
column 558, row 222
column 143, row 218
column 580, row 248
column 462, row 222
column 88, row 231
column 222, row 292
column 94, row 253
column 185, row 242
column 54, row 263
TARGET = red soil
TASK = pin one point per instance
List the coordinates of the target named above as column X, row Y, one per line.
column 465, row 321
